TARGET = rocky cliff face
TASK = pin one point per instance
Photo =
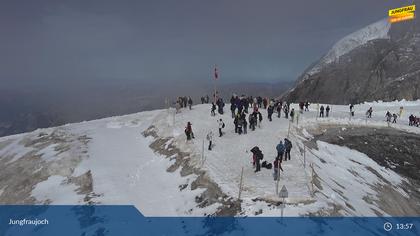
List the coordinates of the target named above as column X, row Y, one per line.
column 379, row 62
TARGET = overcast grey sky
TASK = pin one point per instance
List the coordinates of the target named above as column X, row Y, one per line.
column 172, row 40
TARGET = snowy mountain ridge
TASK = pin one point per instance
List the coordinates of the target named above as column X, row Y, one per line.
column 377, row 30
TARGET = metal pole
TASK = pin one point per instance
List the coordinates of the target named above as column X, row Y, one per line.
column 304, row 156
column 278, row 179
column 312, row 181
column 202, row 154
column 240, row 183
column 288, row 131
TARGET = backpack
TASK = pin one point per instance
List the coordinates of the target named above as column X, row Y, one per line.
column 223, row 125
column 260, row 155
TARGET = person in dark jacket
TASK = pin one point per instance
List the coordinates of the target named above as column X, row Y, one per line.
column 213, row 109
column 188, row 131
column 270, row 112
column 327, row 110
column 190, row 102
column 292, row 115
column 277, row 167
column 257, row 157
column 280, row 151
column 394, row 116
column 210, row 139
column 287, row 148
column 321, row 111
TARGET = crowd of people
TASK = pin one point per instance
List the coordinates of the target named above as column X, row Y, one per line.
column 246, row 115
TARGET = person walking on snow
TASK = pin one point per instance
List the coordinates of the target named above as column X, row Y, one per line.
column 395, row 116
column 213, row 109
column 188, row 131
column 369, row 113
column 327, row 110
column 210, row 139
column 277, row 167
column 221, row 126
column 280, row 151
column 287, row 148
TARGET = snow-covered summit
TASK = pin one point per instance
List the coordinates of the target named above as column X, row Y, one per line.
column 377, row 30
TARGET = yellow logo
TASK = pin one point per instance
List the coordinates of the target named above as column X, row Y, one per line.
column 402, row 10
column 401, row 14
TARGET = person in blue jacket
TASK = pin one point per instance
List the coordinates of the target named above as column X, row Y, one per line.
column 280, row 151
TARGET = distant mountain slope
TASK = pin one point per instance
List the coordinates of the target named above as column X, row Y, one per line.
column 378, row 62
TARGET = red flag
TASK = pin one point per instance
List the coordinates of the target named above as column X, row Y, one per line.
column 216, row 76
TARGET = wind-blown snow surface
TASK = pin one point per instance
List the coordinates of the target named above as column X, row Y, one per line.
column 125, row 170
column 377, row 30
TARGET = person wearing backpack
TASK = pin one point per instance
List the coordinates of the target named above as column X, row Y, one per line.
column 288, row 148
column 221, row 126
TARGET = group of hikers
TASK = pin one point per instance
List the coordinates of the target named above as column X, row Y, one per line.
column 183, row 102
column 283, row 150
column 246, row 115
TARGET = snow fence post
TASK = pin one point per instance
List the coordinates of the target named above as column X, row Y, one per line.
column 304, row 156
column 202, row 154
column 288, row 131
column 240, row 184
column 312, row 178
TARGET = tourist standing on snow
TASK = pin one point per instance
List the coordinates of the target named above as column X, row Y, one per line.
column 221, row 127
column 351, row 110
column 388, row 116
column 232, row 109
column 188, row 131
column 286, row 111
column 321, row 111
column 301, row 105
column 401, row 111
column 245, row 124
column 190, row 102
column 256, row 158
column 287, row 148
column 210, row 139
column 327, row 110
column 252, row 120
column 280, row 151
column 277, row 167
column 270, row 112
column 292, row 115
column 306, row 106
column 213, row 109
column 411, row 120
column 278, row 109
column 260, row 118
